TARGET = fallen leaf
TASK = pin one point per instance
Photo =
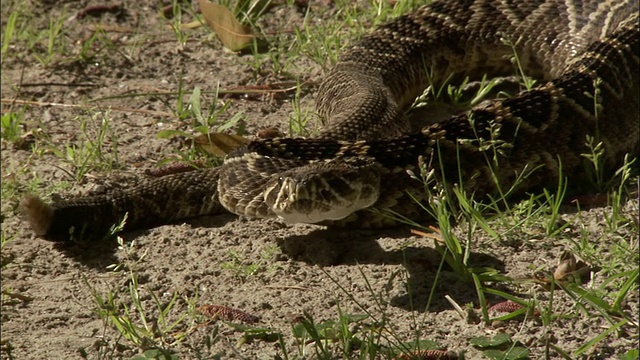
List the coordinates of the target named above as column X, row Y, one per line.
column 269, row 133
column 225, row 313
column 570, row 269
column 234, row 35
column 219, row 144
column 505, row 307
column 509, row 306
column 428, row 355
column 567, row 265
column 190, row 25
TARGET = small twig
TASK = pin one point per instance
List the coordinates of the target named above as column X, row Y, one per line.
column 111, row 28
column 13, row 102
column 60, row 84
column 288, row 287
column 74, row 106
column 435, row 235
column 20, row 297
column 457, row 307
column 282, row 87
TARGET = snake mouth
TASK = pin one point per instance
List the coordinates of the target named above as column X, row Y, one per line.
column 321, row 197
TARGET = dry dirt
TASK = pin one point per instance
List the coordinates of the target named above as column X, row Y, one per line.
column 265, row 268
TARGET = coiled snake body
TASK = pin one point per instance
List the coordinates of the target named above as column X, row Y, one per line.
column 584, row 55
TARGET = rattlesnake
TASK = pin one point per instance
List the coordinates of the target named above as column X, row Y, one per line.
column 584, row 55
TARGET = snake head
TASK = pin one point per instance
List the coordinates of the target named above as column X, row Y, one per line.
column 324, row 190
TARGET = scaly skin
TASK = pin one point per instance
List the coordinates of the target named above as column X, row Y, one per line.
column 574, row 51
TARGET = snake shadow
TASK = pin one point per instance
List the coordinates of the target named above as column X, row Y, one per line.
column 98, row 253
column 93, row 253
column 331, row 247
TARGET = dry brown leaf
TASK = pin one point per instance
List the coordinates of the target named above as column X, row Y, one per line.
column 219, row 144
column 269, row 133
column 509, row 306
column 567, row 265
column 505, row 307
column 190, row 25
column 225, row 313
column 428, row 355
column 569, row 270
column 234, row 35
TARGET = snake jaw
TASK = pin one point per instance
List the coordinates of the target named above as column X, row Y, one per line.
column 320, row 196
